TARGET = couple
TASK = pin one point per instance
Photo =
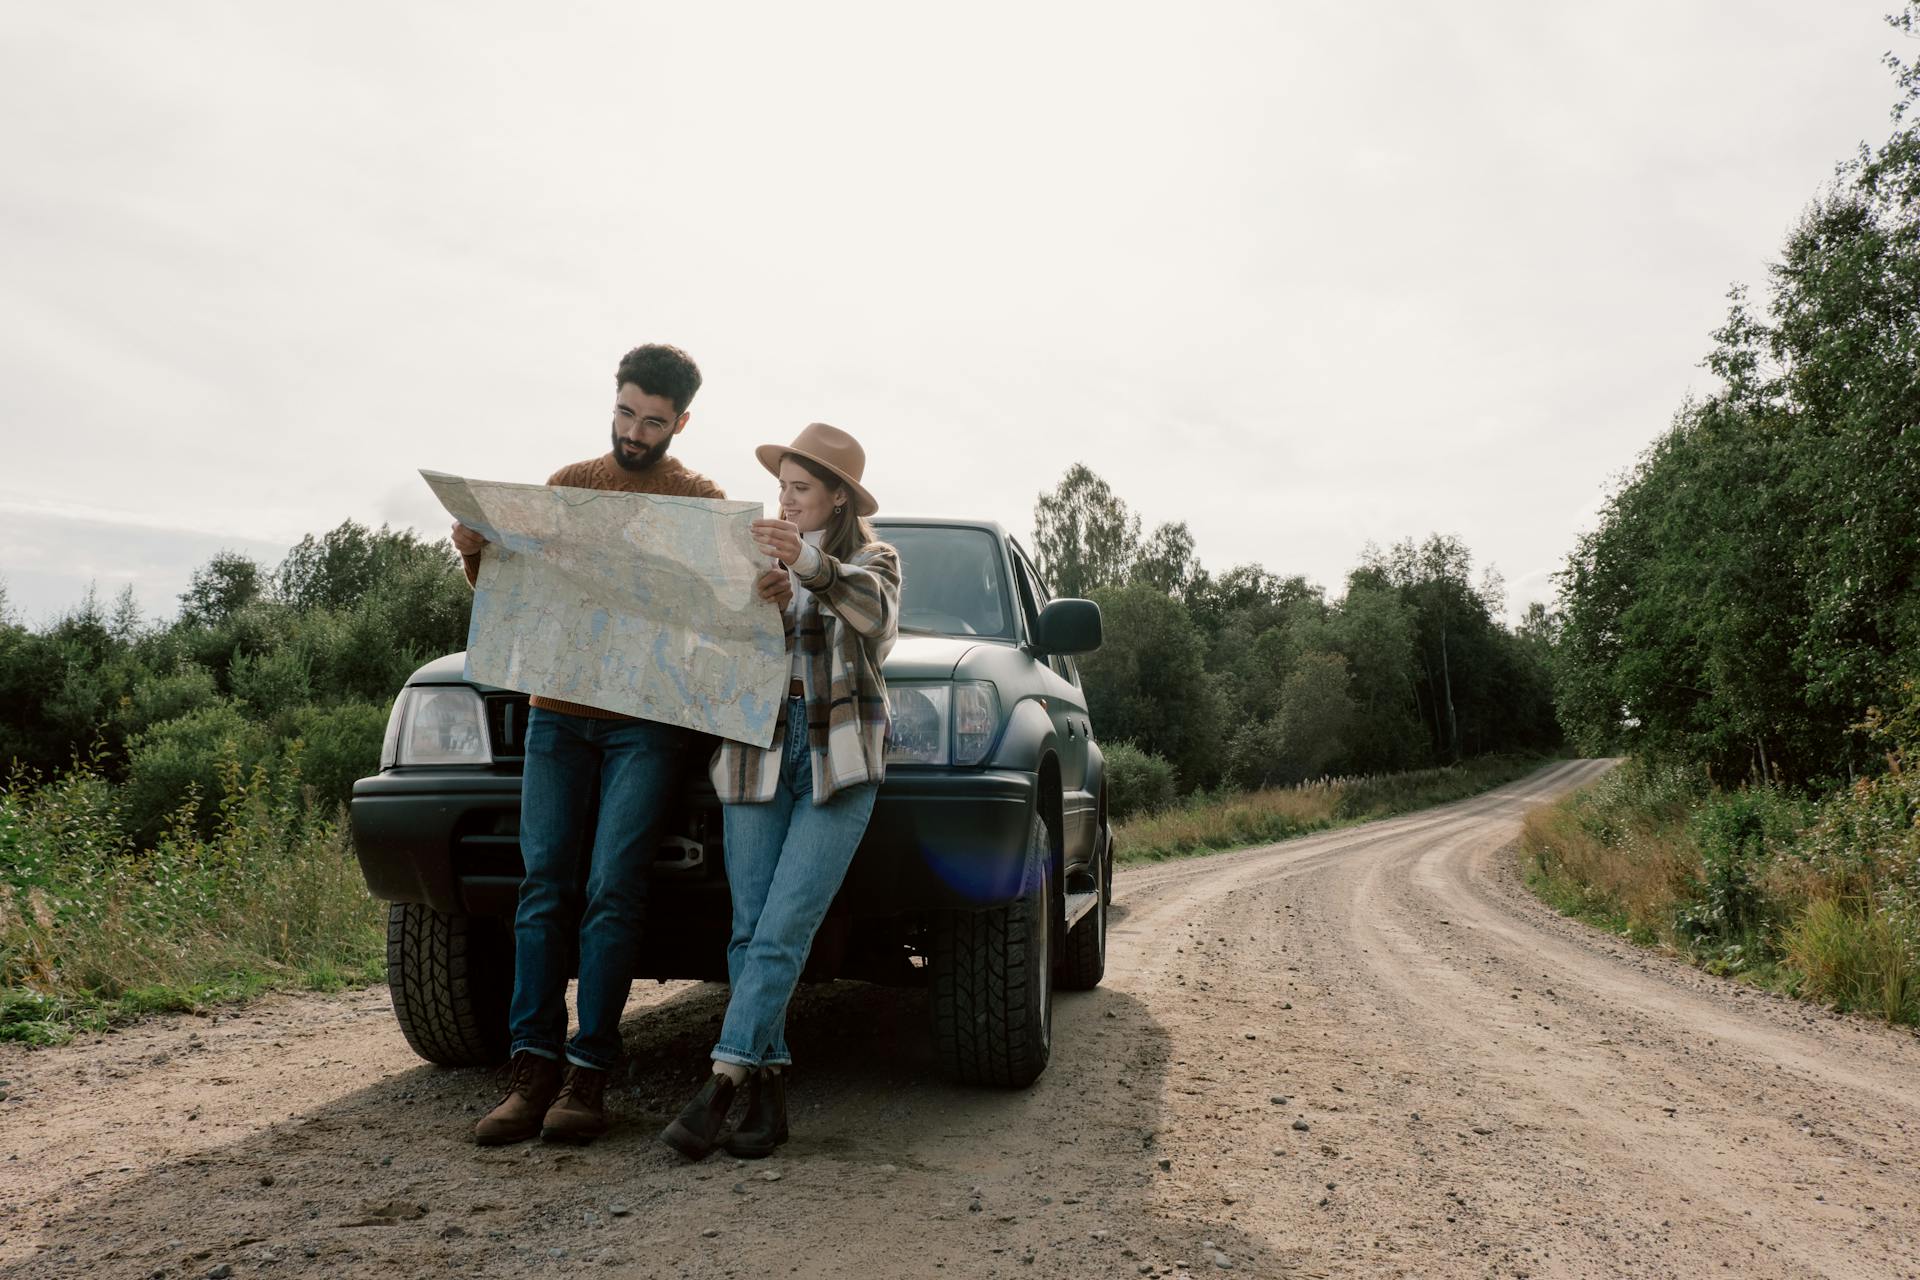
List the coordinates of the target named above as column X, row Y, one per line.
column 794, row 810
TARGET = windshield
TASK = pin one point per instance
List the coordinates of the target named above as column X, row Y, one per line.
column 951, row 581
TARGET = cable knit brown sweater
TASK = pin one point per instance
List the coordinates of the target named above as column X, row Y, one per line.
column 668, row 476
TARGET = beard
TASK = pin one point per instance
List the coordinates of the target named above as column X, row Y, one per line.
column 632, row 458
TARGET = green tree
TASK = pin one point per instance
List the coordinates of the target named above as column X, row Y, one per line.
column 221, row 588
column 1316, row 715
column 1147, row 684
column 1083, row 535
column 338, row 569
column 1434, row 579
column 1750, row 589
column 1375, row 631
column 1166, row 561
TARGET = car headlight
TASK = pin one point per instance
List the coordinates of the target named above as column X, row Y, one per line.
column 445, row 724
column 943, row 723
column 976, row 721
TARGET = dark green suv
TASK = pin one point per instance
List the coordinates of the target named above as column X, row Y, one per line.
column 986, row 872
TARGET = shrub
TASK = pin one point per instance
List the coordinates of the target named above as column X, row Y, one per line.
column 168, row 696
column 1822, row 900
column 91, row 930
column 359, row 653
column 1618, row 853
column 270, row 683
column 337, row 746
column 1256, row 757
column 1137, row 782
column 1736, row 834
column 181, row 758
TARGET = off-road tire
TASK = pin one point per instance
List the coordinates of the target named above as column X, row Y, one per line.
column 992, row 981
column 451, row 979
column 1083, row 957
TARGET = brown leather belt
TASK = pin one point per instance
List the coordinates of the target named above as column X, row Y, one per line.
column 796, row 689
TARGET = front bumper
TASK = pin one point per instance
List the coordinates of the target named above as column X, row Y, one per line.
column 939, row 839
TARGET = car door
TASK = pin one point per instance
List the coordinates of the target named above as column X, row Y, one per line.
column 1073, row 729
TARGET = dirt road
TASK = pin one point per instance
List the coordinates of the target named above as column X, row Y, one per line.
column 1363, row 1053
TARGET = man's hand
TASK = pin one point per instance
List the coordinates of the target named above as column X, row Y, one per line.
column 777, row 538
column 776, row 588
column 468, row 542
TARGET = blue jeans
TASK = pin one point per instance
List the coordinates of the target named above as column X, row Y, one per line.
column 627, row 772
column 785, row 861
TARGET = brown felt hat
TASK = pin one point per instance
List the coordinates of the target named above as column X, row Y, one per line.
column 831, row 448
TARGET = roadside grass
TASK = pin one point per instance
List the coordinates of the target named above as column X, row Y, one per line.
column 1814, row 897
column 95, row 931
column 1211, row 822
column 1617, row 867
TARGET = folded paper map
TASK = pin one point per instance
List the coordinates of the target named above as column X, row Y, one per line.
column 630, row 602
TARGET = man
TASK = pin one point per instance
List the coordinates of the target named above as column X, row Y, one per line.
column 597, row 781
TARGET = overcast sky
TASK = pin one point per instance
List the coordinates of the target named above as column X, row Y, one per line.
column 1303, row 276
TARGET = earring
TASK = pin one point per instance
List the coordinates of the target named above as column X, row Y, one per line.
column 842, row 507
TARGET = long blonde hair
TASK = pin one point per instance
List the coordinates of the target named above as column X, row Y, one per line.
column 847, row 530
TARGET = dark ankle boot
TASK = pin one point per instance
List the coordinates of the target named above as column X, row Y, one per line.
column 696, row 1131
column 764, row 1127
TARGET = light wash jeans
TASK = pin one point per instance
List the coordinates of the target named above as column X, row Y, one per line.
column 604, row 786
column 785, row 861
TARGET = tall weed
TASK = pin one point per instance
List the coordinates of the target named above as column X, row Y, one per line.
column 1820, row 897
column 92, row 927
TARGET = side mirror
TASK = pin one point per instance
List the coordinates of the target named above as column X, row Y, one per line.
column 1069, row 627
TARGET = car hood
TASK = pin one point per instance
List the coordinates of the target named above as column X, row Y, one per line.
column 914, row 657
column 917, row 657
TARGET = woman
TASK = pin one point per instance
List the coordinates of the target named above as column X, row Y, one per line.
column 795, row 810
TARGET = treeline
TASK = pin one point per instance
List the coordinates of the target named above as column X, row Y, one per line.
column 1750, row 591
column 1745, row 620
column 289, row 665
column 1248, row 679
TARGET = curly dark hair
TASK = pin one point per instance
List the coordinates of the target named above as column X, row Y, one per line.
column 660, row 370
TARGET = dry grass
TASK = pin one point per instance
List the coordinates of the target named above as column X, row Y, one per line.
column 1232, row 820
column 1627, row 877
column 1818, row 899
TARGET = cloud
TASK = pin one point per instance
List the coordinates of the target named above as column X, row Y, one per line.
column 1303, row 276
column 49, row 558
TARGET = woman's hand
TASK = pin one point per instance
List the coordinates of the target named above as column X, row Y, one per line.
column 777, row 538
column 776, row 587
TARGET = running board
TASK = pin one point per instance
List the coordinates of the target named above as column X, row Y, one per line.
column 1078, row 904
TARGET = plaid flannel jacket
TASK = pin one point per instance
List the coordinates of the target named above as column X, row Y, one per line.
column 845, row 631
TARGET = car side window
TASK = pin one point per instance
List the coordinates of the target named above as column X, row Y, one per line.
column 1023, row 577
column 1031, row 582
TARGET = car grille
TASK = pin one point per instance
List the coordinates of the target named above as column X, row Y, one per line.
column 507, row 725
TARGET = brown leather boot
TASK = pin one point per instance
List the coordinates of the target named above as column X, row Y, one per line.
column 531, row 1087
column 579, row 1113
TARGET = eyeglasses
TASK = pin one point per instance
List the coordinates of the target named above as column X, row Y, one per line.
column 650, row 424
